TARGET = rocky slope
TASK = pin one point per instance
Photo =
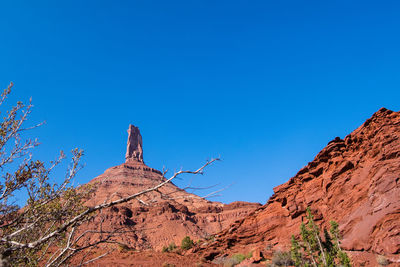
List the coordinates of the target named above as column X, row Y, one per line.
column 125, row 258
column 158, row 218
column 354, row 181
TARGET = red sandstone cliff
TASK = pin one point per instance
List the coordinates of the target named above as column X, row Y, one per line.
column 158, row 218
column 354, row 181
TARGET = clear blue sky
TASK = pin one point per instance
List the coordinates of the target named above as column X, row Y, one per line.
column 264, row 84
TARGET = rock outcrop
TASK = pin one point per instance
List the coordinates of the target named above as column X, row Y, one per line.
column 354, row 181
column 134, row 148
column 158, row 218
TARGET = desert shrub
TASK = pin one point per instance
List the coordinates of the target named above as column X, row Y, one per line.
column 249, row 255
column 210, row 238
column 229, row 261
column 238, row 257
column 234, row 259
column 187, row 243
column 123, row 247
column 311, row 249
column 219, row 260
column 171, row 247
column 282, row 259
column 382, row 261
column 168, row 265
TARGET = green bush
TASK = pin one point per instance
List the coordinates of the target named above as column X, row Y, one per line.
column 187, row 243
column 311, row 250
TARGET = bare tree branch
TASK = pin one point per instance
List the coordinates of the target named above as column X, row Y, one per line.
column 49, row 230
column 81, row 216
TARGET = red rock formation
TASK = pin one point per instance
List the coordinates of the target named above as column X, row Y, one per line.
column 134, row 149
column 354, row 181
column 126, row 258
column 168, row 215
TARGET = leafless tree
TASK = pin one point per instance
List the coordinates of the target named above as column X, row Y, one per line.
column 47, row 230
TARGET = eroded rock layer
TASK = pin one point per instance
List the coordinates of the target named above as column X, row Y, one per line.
column 158, row 218
column 354, row 181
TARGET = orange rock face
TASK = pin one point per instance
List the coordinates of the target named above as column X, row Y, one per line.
column 149, row 259
column 158, row 218
column 354, row 181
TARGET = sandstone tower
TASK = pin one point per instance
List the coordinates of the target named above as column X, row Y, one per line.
column 134, row 149
column 158, row 218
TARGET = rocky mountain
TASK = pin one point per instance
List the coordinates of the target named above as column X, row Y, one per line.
column 161, row 217
column 354, row 181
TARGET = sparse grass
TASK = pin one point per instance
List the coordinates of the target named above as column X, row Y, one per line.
column 235, row 259
column 249, row 255
column 281, row 259
column 238, row 257
column 171, row 247
column 210, row 238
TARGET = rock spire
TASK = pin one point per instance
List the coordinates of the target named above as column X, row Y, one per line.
column 134, row 149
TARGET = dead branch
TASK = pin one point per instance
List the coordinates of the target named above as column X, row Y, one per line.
column 81, row 216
